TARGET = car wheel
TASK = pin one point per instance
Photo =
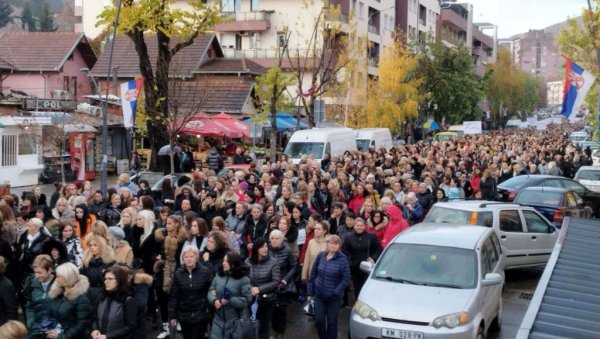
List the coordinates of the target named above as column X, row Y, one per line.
column 497, row 323
column 480, row 332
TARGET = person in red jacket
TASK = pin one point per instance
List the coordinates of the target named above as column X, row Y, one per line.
column 358, row 199
column 396, row 225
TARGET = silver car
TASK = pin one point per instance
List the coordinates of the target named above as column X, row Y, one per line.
column 433, row 281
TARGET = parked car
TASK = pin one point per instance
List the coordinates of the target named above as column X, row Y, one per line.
column 591, row 144
column 589, row 176
column 509, row 189
column 440, row 281
column 526, row 236
column 157, row 186
column 596, row 157
column 555, row 203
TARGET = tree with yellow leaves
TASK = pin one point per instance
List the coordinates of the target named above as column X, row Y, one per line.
column 393, row 96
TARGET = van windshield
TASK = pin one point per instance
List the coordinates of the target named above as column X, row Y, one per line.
column 297, row 149
column 428, row 265
column 362, row 144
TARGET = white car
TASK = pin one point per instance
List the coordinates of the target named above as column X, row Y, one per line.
column 596, row 157
column 433, row 281
column 589, row 176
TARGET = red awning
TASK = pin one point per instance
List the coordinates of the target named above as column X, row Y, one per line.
column 220, row 125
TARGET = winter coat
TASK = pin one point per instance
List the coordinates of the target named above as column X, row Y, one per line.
column 235, row 224
column 188, row 294
column 74, row 250
column 315, row 246
column 94, row 271
column 214, row 160
column 146, row 250
column 72, row 309
column 8, row 300
column 425, row 199
column 329, row 277
column 343, row 232
column 124, row 254
column 225, row 317
column 396, row 225
column 53, row 243
column 488, row 189
column 142, row 282
column 36, row 304
column 115, row 316
column 264, row 274
column 254, row 230
column 9, row 232
column 356, row 203
column 96, row 208
column 25, row 253
column 286, row 261
column 211, row 212
column 360, row 247
column 68, row 215
column 215, row 260
column 170, row 253
column 415, row 215
column 110, row 215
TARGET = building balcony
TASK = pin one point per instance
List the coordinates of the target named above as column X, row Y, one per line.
column 373, row 29
column 486, row 40
column 373, row 62
column 341, row 17
column 244, row 22
column 449, row 16
column 271, row 53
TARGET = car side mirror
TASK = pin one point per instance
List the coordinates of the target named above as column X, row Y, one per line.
column 366, row 266
column 491, row 279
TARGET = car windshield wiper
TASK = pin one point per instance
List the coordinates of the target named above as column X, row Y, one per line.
column 400, row 280
column 442, row 285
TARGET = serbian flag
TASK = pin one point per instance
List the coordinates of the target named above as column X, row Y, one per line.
column 577, row 83
column 129, row 95
column 310, row 91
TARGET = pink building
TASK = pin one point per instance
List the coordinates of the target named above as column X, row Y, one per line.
column 46, row 64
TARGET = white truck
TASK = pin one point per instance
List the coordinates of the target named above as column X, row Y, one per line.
column 373, row 137
column 318, row 142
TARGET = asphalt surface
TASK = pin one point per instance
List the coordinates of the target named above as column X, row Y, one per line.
column 519, row 287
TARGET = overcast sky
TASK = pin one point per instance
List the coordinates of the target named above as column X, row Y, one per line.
column 518, row 16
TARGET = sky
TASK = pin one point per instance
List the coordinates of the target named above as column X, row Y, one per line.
column 519, row 16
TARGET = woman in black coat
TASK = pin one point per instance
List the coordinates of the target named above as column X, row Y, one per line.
column 188, row 295
column 8, row 299
column 286, row 289
column 360, row 246
column 96, row 259
column 115, row 315
column 215, row 250
column 264, row 278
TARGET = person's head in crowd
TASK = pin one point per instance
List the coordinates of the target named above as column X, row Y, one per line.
column 385, row 203
column 145, row 187
column 218, row 224
column 165, row 211
column 125, row 194
column 273, row 222
column 334, row 244
column 8, row 200
column 116, row 282
column 128, row 216
column 13, row 329
column 124, row 179
column 299, row 198
column 260, row 250
column 186, row 205
column 198, row 228
column 312, row 221
column 256, row 211
column 216, row 241
column 34, row 226
column 115, row 200
column 276, row 239
column 439, row 194
column 174, row 223
column 350, row 219
column 249, row 196
column 284, row 224
column 98, row 197
column 478, row 195
column 368, row 206
column 337, row 209
column 97, row 248
column 145, row 220
column 240, row 209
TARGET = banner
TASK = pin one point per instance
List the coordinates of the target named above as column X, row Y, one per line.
column 129, row 95
column 472, row 127
column 577, row 83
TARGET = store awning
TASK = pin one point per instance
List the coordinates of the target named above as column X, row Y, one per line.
column 283, row 122
column 209, row 126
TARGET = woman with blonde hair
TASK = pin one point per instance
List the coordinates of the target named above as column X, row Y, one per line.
column 69, row 304
column 124, row 181
column 169, row 239
column 63, row 211
column 13, row 330
column 97, row 258
column 122, row 249
column 143, row 243
column 128, row 217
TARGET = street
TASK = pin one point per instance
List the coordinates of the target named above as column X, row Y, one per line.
column 519, row 288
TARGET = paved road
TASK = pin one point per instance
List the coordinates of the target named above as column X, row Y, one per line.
column 520, row 285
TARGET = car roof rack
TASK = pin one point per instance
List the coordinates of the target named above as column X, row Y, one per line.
column 484, row 205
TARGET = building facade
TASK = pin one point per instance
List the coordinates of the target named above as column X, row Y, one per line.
column 417, row 19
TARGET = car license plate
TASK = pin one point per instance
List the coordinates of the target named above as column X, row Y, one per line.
column 394, row 333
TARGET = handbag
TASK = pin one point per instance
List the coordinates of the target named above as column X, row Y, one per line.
column 288, row 289
column 48, row 324
column 246, row 327
column 309, row 309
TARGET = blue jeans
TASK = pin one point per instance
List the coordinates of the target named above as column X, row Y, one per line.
column 326, row 317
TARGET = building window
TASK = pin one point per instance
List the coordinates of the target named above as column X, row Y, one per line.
column 231, row 5
column 280, row 39
column 27, row 144
column 254, row 40
column 361, row 9
column 238, row 42
column 385, row 21
column 9, row 151
column 254, row 5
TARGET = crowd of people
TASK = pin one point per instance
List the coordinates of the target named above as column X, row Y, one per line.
column 206, row 252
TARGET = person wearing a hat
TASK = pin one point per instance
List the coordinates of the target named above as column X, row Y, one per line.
column 123, row 252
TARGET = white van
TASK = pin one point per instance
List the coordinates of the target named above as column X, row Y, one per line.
column 373, row 137
column 318, row 141
column 460, row 129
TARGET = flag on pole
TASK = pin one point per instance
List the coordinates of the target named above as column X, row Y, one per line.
column 577, row 83
column 129, row 95
column 309, row 91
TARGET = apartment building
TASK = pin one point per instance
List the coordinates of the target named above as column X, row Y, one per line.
column 418, row 19
column 456, row 28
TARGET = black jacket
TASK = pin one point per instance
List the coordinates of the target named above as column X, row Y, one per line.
column 211, row 212
column 115, row 316
column 214, row 160
column 189, row 292
column 215, row 260
column 110, row 215
column 265, row 275
column 8, row 301
column 254, row 231
column 25, row 253
column 359, row 247
column 286, row 261
column 145, row 251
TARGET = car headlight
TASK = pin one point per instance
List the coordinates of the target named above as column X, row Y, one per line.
column 365, row 311
column 451, row 320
